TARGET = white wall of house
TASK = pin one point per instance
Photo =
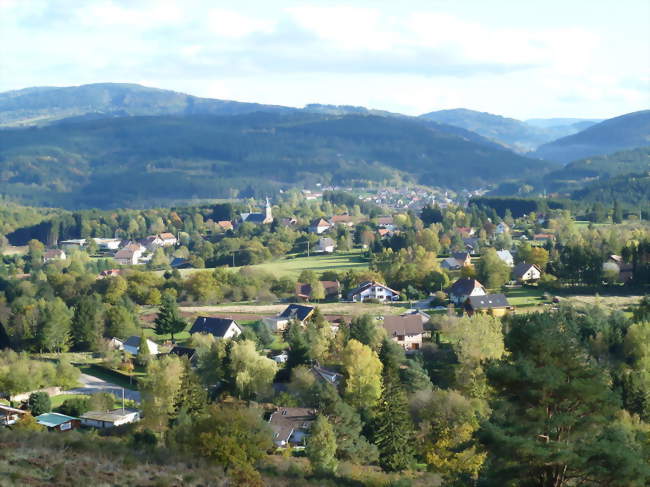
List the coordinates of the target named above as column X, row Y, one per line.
column 409, row 342
column 477, row 291
column 531, row 274
column 376, row 292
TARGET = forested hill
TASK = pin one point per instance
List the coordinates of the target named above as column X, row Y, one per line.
column 510, row 132
column 140, row 161
column 625, row 132
column 37, row 106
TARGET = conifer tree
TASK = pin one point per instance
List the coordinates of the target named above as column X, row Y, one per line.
column 321, row 447
column 191, row 396
column 144, row 354
column 88, row 324
column 169, row 319
column 393, row 425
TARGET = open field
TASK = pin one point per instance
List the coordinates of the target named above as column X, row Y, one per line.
column 292, row 267
column 348, row 309
column 11, row 250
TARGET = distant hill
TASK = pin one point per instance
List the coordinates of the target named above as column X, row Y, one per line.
column 615, row 134
column 545, row 123
column 41, row 105
column 600, row 167
column 143, row 161
column 630, row 190
column 518, row 135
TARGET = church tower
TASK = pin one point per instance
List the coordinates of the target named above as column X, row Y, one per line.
column 268, row 214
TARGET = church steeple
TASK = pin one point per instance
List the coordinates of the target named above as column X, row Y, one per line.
column 268, row 213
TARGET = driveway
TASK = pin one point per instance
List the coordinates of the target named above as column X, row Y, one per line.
column 92, row 385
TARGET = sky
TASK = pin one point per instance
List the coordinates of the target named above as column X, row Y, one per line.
column 521, row 59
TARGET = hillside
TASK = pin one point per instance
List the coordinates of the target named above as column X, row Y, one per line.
column 615, row 134
column 599, row 167
column 41, row 105
column 518, row 135
column 630, row 190
column 143, row 161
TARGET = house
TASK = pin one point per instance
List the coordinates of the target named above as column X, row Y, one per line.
column 325, row 375
column 9, row 416
column 372, row 290
column 53, row 254
column 288, row 222
column 386, row 222
column 74, row 243
column 281, row 358
column 319, row 226
column 463, row 258
column 259, row 218
column 168, row 239
column 152, row 242
column 471, row 244
column 225, row 225
column 464, row 288
column 543, row 237
column 187, row 352
column 524, row 272
column 332, row 290
column 110, row 419
column 425, row 317
column 406, row 330
column 493, row 304
column 116, row 344
column 326, row 244
column 291, row 425
column 57, row 422
column 217, row 327
column 623, row 270
column 450, row 264
column 465, row 231
column 130, row 254
column 502, row 228
column 180, row 263
column 384, row 232
column 108, row 243
column 132, row 345
column 295, row 312
column 345, row 220
column 506, row 257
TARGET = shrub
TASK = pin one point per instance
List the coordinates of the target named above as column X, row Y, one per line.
column 39, row 403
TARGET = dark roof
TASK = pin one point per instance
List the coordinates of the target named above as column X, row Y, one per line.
column 521, row 269
column 460, row 256
column 403, row 325
column 178, row 262
column 214, row 326
column 487, row 302
column 297, row 312
column 183, row 351
column 285, row 421
column 463, row 286
column 253, row 217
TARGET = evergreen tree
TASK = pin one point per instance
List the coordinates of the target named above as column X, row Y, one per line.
column 321, row 447
column 39, row 403
column 298, row 345
column 364, row 329
column 393, row 433
column 617, row 215
column 144, row 354
column 169, row 319
column 191, row 397
column 554, row 403
column 88, row 324
column 53, row 333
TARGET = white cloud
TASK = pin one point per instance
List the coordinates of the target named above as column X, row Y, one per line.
column 228, row 23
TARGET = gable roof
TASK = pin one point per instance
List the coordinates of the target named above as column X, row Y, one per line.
column 167, row 236
column 53, row 253
column 461, row 257
column 489, row 301
column 213, row 325
column 319, row 222
column 366, row 284
column 403, row 325
column 134, row 341
column 253, row 217
column 297, row 312
column 183, row 351
column 463, row 286
column 451, row 262
column 523, row 267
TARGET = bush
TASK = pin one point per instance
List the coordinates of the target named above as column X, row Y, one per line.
column 39, row 403
column 75, row 407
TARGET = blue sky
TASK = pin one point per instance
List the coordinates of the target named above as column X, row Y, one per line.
column 522, row 59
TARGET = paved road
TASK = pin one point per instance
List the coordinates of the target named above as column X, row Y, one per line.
column 93, row 384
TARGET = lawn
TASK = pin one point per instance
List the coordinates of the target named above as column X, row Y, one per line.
column 525, row 297
column 292, row 267
column 57, row 401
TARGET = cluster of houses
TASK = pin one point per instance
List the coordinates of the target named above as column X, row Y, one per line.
column 124, row 252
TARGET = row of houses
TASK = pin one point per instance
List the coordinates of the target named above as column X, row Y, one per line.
column 62, row 422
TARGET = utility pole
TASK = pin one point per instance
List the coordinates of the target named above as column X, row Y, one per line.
column 307, row 248
column 122, row 400
column 233, row 259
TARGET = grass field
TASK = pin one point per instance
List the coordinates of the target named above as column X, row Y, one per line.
column 292, row 267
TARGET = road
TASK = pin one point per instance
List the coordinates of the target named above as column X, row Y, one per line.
column 92, row 385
